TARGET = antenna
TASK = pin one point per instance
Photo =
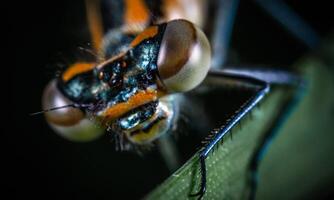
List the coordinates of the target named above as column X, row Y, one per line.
column 75, row 105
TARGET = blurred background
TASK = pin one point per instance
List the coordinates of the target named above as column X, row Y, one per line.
column 45, row 35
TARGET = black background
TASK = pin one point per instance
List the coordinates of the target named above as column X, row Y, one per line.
column 39, row 164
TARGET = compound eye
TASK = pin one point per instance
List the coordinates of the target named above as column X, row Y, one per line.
column 184, row 56
column 71, row 123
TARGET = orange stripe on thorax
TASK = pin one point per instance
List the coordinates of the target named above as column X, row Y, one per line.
column 77, row 68
column 135, row 101
column 147, row 33
column 192, row 10
column 136, row 12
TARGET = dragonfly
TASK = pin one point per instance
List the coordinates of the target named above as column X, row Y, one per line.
column 148, row 53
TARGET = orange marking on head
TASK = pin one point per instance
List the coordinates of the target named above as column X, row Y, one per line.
column 94, row 22
column 136, row 12
column 77, row 68
column 135, row 101
column 147, row 33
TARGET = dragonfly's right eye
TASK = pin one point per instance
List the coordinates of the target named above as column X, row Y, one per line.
column 53, row 98
column 69, row 122
column 184, row 56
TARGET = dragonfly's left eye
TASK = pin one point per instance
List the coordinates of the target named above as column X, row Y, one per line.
column 184, row 56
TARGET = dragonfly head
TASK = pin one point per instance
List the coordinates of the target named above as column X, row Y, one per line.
column 129, row 93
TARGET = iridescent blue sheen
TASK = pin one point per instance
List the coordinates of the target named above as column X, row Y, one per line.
column 118, row 80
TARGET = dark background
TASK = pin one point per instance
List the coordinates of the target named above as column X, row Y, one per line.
column 45, row 35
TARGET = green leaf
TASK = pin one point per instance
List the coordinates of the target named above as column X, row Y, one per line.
column 300, row 158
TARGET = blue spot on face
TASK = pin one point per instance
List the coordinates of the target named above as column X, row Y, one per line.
column 76, row 89
column 130, row 121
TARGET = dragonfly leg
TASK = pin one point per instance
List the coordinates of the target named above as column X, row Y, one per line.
column 168, row 150
column 291, row 21
column 220, row 133
column 202, row 189
column 226, row 12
